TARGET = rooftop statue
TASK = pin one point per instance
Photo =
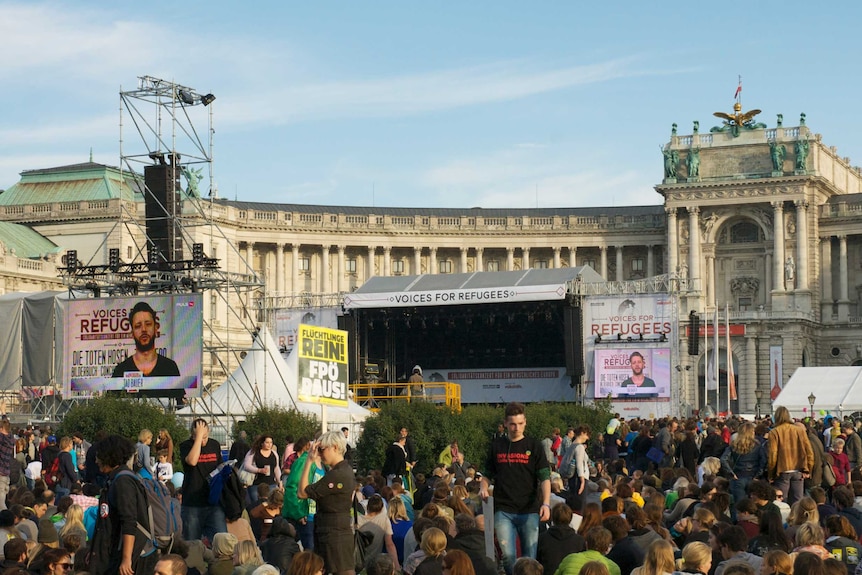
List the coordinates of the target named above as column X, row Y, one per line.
column 738, row 120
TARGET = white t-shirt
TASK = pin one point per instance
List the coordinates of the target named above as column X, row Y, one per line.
column 34, row 470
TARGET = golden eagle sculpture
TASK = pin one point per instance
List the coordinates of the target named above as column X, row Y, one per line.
column 739, row 119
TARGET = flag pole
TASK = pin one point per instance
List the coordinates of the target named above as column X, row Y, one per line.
column 705, row 360
column 716, row 362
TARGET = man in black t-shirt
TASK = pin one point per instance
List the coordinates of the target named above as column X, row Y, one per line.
column 144, row 325
column 201, row 456
column 518, row 466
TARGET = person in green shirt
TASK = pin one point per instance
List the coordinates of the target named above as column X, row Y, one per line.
column 294, row 509
column 598, row 540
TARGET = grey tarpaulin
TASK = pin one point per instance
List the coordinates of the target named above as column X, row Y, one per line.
column 10, row 345
column 37, row 337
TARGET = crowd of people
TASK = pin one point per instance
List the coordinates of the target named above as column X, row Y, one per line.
column 644, row 497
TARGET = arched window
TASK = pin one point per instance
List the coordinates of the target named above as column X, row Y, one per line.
column 745, row 233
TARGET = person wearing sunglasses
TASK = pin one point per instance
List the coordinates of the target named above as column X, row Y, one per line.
column 58, row 562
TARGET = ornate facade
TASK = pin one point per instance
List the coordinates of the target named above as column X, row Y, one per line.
column 765, row 221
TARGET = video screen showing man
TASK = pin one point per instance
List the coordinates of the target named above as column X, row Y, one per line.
column 638, row 379
column 144, row 325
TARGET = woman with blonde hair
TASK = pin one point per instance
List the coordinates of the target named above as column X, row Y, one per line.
column 143, row 465
column 776, row 562
column 74, row 522
column 743, row 460
column 434, row 546
column 246, row 558
column 696, row 559
column 401, row 525
column 810, row 539
column 165, row 441
column 801, row 512
column 710, row 466
column 658, row 561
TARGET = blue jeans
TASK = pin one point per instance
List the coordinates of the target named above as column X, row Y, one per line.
column 200, row 522
column 304, row 533
column 526, row 526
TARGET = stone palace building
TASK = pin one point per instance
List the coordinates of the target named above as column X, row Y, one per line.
column 764, row 220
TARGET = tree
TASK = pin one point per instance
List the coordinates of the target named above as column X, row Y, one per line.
column 279, row 423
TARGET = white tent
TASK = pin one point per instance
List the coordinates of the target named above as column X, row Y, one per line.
column 265, row 378
column 837, row 390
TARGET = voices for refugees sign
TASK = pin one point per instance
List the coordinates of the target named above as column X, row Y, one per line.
column 101, row 352
column 322, row 364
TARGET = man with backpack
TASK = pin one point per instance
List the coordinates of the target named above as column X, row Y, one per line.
column 120, row 542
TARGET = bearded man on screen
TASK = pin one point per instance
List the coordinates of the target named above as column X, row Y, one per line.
column 144, row 325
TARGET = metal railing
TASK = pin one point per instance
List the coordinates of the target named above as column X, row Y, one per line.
column 372, row 395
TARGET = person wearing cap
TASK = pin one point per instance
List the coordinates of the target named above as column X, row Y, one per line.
column 48, row 535
column 144, row 326
column 416, row 379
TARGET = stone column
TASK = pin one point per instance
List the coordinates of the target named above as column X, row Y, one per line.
column 650, row 261
column 751, row 373
column 767, row 270
column 463, row 269
column 433, row 260
column 619, row 250
column 842, row 268
column 556, row 258
column 710, row 280
column 480, row 263
column 603, row 267
column 510, row 259
column 279, row 268
column 694, row 268
column 249, row 257
column 573, row 257
column 325, row 285
column 778, row 246
column 387, row 261
column 369, row 273
column 339, row 278
column 294, row 271
column 801, row 244
column 417, row 261
column 826, row 270
column 672, row 249
column 525, row 258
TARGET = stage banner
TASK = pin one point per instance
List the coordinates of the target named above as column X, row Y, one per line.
column 109, row 344
column 776, row 373
column 287, row 324
column 529, row 384
column 454, row 296
column 322, row 365
column 632, row 373
column 623, row 322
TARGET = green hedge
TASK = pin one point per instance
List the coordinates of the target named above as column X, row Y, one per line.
column 279, row 423
column 433, row 427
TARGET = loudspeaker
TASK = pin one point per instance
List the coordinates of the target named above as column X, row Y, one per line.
column 693, row 333
column 163, row 204
column 573, row 336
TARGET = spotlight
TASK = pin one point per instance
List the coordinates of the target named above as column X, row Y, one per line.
column 598, row 339
column 207, row 99
column 619, row 337
column 72, row 260
column 640, row 337
column 197, row 255
column 114, row 259
column 186, row 97
column 663, row 337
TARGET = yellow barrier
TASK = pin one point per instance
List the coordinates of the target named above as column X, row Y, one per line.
column 372, row 395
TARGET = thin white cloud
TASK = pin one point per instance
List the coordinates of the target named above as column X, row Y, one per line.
column 416, row 93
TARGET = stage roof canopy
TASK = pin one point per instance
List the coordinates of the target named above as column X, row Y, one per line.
column 469, row 288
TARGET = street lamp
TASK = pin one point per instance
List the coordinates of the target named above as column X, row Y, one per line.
column 811, row 399
column 758, row 395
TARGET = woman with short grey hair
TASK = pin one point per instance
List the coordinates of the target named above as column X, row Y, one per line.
column 333, row 493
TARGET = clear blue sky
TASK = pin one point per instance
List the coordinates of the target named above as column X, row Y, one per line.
column 437, row 104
